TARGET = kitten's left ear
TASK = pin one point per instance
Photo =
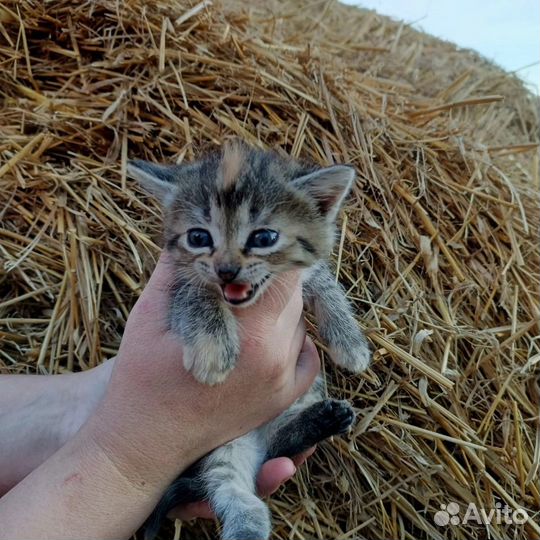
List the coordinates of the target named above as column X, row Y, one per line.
column 328, row 186
column 159, row 180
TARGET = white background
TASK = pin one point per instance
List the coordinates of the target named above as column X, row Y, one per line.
column 504, row 31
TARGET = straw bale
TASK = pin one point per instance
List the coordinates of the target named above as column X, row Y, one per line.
column 439, row 243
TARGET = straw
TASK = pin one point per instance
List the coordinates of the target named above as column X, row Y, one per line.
column 439, row 251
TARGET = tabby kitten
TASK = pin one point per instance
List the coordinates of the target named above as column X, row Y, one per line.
column 234, row 221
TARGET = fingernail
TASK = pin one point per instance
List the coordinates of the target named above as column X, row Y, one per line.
column 291, row 473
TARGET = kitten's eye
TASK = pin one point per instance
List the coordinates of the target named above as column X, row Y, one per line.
column 262, row 238
column 199, row 238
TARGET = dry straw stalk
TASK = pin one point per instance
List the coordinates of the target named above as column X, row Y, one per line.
column 439, row 249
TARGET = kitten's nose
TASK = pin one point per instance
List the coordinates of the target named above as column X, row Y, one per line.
column 227, row 272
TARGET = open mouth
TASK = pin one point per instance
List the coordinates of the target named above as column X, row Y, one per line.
column 241, row 293
column 238, row 293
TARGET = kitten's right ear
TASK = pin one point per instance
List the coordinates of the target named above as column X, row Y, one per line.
column 159, row 180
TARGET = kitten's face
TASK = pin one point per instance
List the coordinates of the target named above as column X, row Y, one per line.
column 239, row 243
column 237, row 220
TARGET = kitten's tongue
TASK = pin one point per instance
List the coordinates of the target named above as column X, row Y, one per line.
column 236, row 292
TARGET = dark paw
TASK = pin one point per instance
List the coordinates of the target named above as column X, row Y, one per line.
column 335, row 418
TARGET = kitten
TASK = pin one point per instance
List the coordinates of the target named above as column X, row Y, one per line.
column 234, row 221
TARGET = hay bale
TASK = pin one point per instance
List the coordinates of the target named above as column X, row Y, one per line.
column 439, row 246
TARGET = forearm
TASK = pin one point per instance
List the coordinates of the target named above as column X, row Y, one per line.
column 107, row 478
column 39, row 414
column 81, row 492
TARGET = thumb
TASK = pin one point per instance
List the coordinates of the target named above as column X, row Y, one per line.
column 152, row 307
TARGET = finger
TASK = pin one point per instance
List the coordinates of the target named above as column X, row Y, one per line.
column 307, row 367
column 275, row 299
column 297, row 342
column 300, row 458
column 194, row 510
column 162, row 277
column 256, row 324
column 274, row 473
column 292, row 312
column 152, row 306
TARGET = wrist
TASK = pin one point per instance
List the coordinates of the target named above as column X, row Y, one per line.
column 118, row 435
column 80, row 491
column 145, row 467
column 153, row 418
column 86, row 390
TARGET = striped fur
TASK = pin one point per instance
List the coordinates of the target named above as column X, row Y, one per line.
column 230, row 195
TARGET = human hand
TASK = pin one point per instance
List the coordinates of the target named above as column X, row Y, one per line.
column 272, row 475
column 157, row 419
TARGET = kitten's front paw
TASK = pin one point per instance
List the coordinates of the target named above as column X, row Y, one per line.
column 352, row 354
column 210, row 361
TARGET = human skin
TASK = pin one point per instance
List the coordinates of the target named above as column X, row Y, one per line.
column 155, row 419
column 39, row 414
